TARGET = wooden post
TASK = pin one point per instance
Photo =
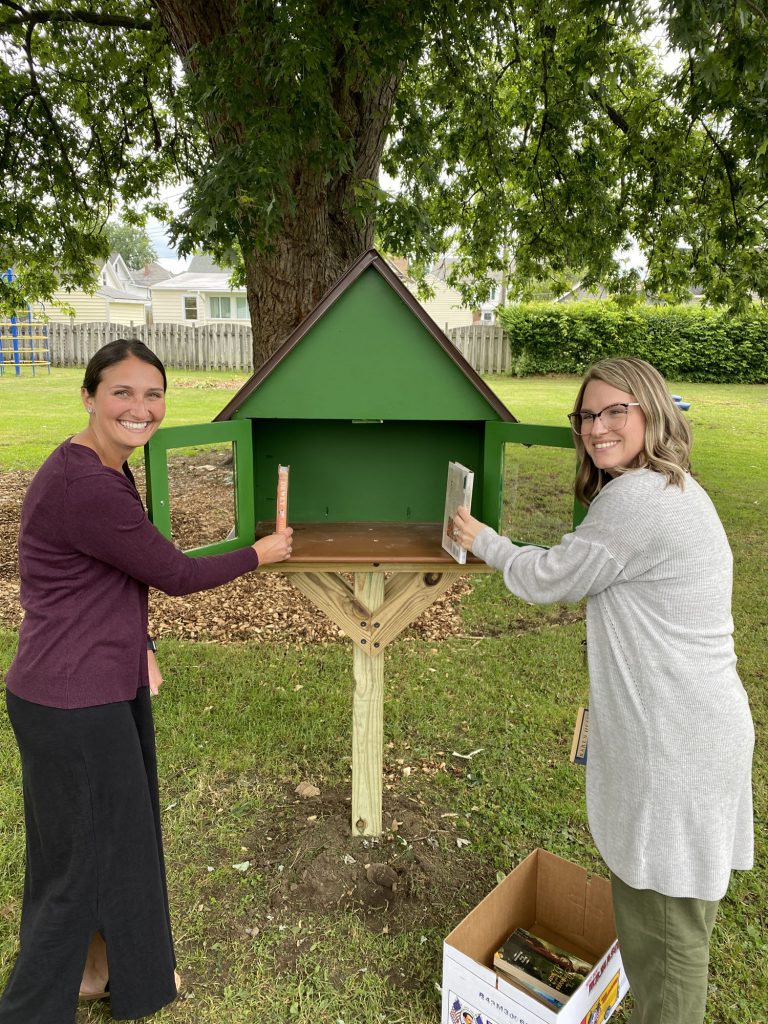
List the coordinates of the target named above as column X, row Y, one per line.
column 373, row 614
column 367, row 719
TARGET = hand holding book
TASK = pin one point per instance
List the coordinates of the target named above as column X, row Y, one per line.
column 275, row 547
column 458, row 493
column 466, row 527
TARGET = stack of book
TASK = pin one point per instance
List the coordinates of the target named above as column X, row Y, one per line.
column 548, row 972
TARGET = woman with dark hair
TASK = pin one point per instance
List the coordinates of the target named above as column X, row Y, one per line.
column 95, row 919
column 669, row 796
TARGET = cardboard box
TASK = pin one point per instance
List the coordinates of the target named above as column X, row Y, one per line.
column 559, row 902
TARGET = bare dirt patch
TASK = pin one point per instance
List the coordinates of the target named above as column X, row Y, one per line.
column 323, row 868
column 387, row 881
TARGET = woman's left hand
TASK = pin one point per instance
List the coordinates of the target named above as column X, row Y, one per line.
column 466, row 527
column 155, row 676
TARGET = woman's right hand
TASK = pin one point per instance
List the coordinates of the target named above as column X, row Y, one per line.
column 467, row 527
column 274, row 548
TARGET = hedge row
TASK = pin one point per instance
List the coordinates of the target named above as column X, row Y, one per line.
column 683, row 342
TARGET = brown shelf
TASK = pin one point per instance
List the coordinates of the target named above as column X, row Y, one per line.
column 369, row 547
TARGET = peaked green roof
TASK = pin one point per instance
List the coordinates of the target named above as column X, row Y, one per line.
column 367, row 351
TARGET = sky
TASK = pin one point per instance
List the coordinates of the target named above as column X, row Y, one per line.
column 158, row 233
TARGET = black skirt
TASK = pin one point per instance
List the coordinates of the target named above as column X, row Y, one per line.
column 94, row 861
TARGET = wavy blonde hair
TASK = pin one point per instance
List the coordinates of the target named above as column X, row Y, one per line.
column 667, row 433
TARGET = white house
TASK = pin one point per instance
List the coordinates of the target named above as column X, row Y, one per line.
column 445, row 305
column 201, row 295
column 116, row 299
column 486, row 313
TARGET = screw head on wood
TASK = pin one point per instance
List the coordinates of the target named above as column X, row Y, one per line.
column 360, row 824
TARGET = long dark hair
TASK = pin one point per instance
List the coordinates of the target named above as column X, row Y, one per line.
column 115, row 352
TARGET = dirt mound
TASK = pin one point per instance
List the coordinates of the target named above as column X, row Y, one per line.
column 386, row 881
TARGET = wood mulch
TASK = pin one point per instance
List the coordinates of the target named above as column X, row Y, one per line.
column 255, row 607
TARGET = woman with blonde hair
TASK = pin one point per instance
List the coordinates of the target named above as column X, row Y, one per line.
column 669, row 795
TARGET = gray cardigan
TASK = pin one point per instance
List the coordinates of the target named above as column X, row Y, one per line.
column 669, row 794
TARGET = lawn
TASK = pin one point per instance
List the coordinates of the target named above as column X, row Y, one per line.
column 36, row 413
column 264, row 922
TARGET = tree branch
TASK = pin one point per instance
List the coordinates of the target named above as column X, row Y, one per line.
column 76, row 16
column 726, row 161
column 614, row 115
column 37, row 91
column 752, row 6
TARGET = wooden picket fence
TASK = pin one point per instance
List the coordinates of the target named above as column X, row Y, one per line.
column 229, row 346
column 218, row 346
column 484, row 346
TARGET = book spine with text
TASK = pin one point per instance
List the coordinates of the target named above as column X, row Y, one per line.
column 281, row 518
column 580, row 737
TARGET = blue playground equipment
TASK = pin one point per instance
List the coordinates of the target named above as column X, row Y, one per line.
column 23, row 340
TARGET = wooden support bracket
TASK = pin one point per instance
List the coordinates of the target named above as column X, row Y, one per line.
column 406, row 596
column 336, row 599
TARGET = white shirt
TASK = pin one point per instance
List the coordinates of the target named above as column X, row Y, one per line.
column 669, row 793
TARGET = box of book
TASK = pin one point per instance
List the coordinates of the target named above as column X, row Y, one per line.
column 539, row 949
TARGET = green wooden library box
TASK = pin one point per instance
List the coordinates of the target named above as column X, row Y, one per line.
column 367, row 402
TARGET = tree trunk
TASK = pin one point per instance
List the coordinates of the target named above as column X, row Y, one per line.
column 328, row 233
column 330, row 229
column 285, row 284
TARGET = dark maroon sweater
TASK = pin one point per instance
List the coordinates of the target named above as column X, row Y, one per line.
column 87, row 556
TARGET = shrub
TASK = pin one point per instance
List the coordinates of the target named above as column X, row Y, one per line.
column 683, row 342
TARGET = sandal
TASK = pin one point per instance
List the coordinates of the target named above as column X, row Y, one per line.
column 89, row 997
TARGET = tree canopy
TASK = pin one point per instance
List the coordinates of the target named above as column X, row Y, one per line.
column 132, row 242
column 542, row 135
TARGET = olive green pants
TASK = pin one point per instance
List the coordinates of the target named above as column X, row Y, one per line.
column 664, row 942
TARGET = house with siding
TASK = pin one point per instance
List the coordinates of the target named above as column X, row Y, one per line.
column 444, row 305
column 485, row 314
column 116, row 299
column 204, row 295
column 201, row 295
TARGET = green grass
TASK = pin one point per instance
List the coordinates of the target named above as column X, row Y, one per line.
column 37, row 413
column 239, row 726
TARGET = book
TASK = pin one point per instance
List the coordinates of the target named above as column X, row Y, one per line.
column 541, row 967
column 580, row 737
column 281, row 517
column 458, row 491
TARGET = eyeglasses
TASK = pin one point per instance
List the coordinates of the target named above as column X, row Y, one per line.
column 614, row 417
